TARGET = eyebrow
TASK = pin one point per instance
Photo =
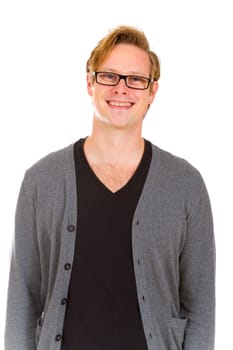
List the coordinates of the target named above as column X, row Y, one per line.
column 112, row 70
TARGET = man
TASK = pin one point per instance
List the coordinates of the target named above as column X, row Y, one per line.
column 114, row 244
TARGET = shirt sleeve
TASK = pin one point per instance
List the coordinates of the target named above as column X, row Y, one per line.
column 23, row 299
column 197, row 275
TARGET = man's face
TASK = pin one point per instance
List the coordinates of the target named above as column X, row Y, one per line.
column 119, row 106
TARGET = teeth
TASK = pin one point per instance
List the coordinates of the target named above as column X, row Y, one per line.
column 120, row 104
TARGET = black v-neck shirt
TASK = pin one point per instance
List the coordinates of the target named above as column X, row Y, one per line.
column 102, row 310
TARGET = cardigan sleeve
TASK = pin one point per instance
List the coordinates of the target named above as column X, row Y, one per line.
column 23, row 299
column 197, row 275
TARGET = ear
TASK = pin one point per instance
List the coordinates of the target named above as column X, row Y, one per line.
column 89, row 84
column 153, row 90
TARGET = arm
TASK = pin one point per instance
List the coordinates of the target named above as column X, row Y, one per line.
column 24, row 304
column 197, row 276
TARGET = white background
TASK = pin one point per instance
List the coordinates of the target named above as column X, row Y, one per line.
column 44, row 104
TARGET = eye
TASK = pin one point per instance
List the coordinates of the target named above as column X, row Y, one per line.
column 135, row 79
column 108, row 76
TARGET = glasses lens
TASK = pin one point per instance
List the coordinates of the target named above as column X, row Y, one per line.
column 136, row 82
column 107, row 78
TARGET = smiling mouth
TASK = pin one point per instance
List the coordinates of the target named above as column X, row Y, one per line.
column 120, row 104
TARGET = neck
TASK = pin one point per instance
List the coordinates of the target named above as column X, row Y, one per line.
column 116, row 147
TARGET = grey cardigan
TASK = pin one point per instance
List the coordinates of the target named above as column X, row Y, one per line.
column 173, row 255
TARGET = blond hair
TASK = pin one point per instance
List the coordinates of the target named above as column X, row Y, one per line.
column 127, row 35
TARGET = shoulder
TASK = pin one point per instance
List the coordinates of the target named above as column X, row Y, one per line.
column 51, row 167
column 177, row 172
column 173, row 162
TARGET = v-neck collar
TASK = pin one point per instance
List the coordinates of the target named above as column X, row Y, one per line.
column 146, row 157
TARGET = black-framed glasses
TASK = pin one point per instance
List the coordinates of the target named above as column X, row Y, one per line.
column 131, row 81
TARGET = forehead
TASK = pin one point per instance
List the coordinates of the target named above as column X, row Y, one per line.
column 127, row 58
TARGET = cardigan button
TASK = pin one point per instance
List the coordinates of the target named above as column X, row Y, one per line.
column 64, row 301
column 58, row 337
column 71, row 228
column 67, row 266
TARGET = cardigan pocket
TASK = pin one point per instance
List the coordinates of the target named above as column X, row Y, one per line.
column 177, row 330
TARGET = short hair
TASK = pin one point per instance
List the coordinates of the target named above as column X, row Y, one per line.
column 119, row 35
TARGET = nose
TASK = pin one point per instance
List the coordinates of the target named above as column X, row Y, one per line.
column 121, row 86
